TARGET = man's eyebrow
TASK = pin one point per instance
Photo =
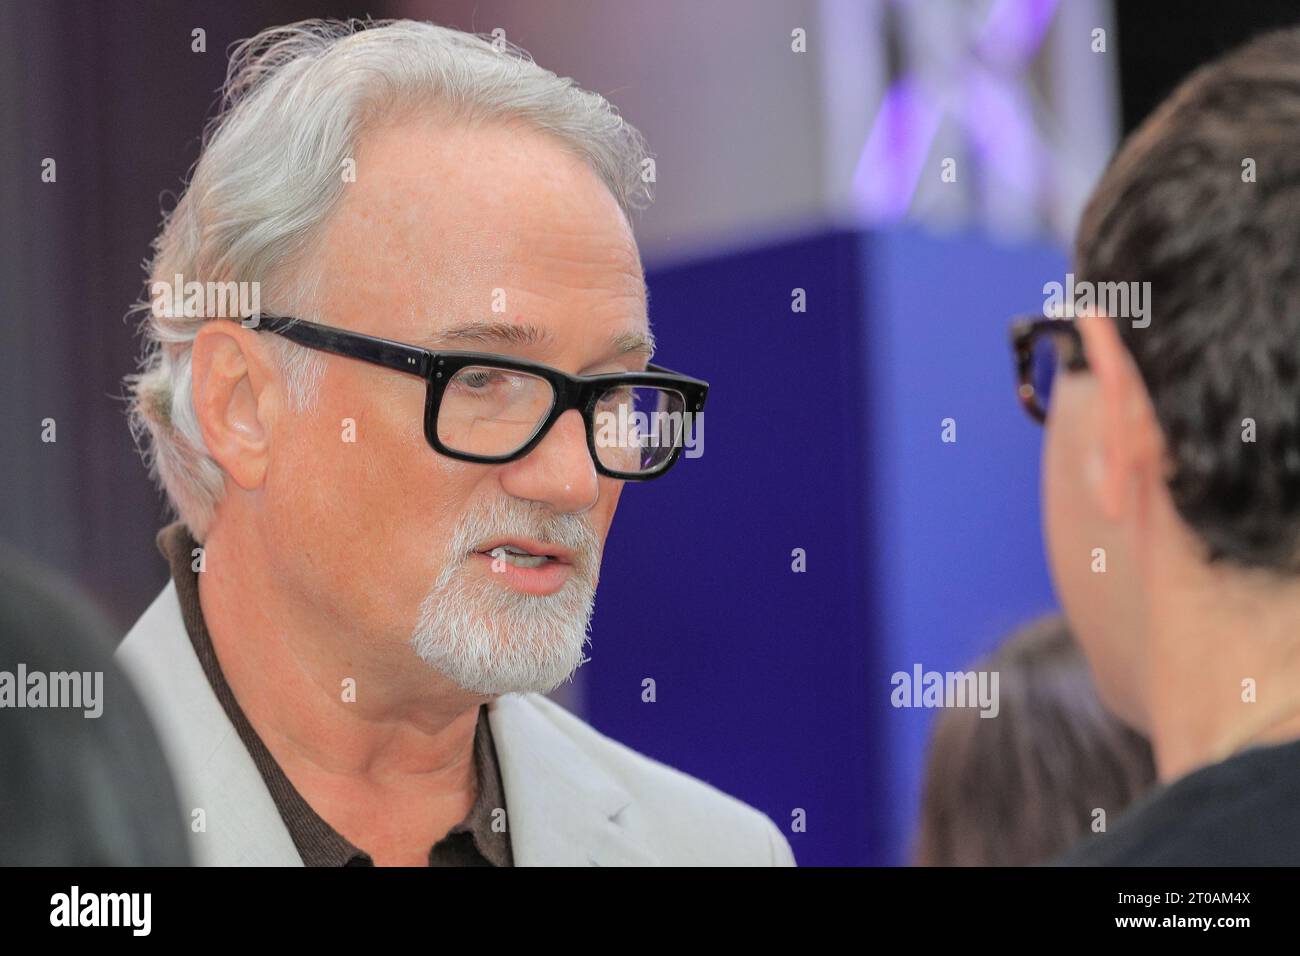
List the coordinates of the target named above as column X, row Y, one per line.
column 511, row 333
column 491, row 333
column 643, row 342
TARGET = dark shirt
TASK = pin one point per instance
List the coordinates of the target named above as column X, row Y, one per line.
column 472, row 842
column 1243, row 811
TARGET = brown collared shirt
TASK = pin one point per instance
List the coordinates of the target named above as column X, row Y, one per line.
column 472, row 842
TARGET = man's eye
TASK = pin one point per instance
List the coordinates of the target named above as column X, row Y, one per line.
column 621, row 395
column 479, row 379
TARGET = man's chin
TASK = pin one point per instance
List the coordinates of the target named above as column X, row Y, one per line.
column 502, row 673
column 492, row 642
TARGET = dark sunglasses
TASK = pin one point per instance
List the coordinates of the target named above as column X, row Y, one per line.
column 1043, row 347
column 492, row 409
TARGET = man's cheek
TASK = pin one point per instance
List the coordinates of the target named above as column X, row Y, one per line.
column 1059, row 513
column 610, row 494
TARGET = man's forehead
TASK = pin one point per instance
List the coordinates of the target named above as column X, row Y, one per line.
column 523, row 253
column 481, row 303
column 468, row 203
column 457, row 234
column 562, row 291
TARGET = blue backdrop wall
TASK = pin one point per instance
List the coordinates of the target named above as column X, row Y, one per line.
column 823, row 433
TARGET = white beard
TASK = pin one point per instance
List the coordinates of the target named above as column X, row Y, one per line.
column 492, row 640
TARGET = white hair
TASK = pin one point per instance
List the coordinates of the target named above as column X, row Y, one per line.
column 297, row 99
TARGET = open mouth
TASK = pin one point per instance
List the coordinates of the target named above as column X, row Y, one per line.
column 520, row 555
column 517, row 556
column 528, row 565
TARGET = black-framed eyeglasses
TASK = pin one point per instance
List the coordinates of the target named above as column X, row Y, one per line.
column 1042, row 348
column 492, row 409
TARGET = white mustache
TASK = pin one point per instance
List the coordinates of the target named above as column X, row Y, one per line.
column 506, row 518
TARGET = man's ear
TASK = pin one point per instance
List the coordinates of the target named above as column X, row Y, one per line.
column 234, row 399
column 1132, row 445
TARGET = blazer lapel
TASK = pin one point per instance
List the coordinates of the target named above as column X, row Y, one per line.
column 561, row 807
column 240, row 825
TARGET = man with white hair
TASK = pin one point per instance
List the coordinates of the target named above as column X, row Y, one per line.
column 394, row 479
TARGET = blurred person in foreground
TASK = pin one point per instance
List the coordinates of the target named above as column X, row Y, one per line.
column 1019, row 788
column 394, row 483
column 83, row 780
column 1171, row 461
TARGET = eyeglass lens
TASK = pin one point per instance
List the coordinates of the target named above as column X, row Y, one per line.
column 492, row 411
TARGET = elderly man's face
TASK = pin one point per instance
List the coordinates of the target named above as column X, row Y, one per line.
column 446, row 232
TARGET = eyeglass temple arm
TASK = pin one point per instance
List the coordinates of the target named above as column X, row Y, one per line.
column 378, row 351
column 369, row 348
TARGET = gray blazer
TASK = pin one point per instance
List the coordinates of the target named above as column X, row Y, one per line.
column 573, row 796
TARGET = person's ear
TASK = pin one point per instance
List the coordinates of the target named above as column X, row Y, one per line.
column 233, row 399
column 1131, row 445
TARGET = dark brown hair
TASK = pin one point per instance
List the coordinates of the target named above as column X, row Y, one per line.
column 1020, row 788
column 1203, row 202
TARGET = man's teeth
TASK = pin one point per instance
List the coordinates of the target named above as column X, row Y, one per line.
column 518, row 557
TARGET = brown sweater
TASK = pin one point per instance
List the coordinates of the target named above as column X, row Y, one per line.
column 472, row 842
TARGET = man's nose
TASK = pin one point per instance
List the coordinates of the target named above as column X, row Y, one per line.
column 559, row 472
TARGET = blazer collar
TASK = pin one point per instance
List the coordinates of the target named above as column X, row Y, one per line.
column 562, row 808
